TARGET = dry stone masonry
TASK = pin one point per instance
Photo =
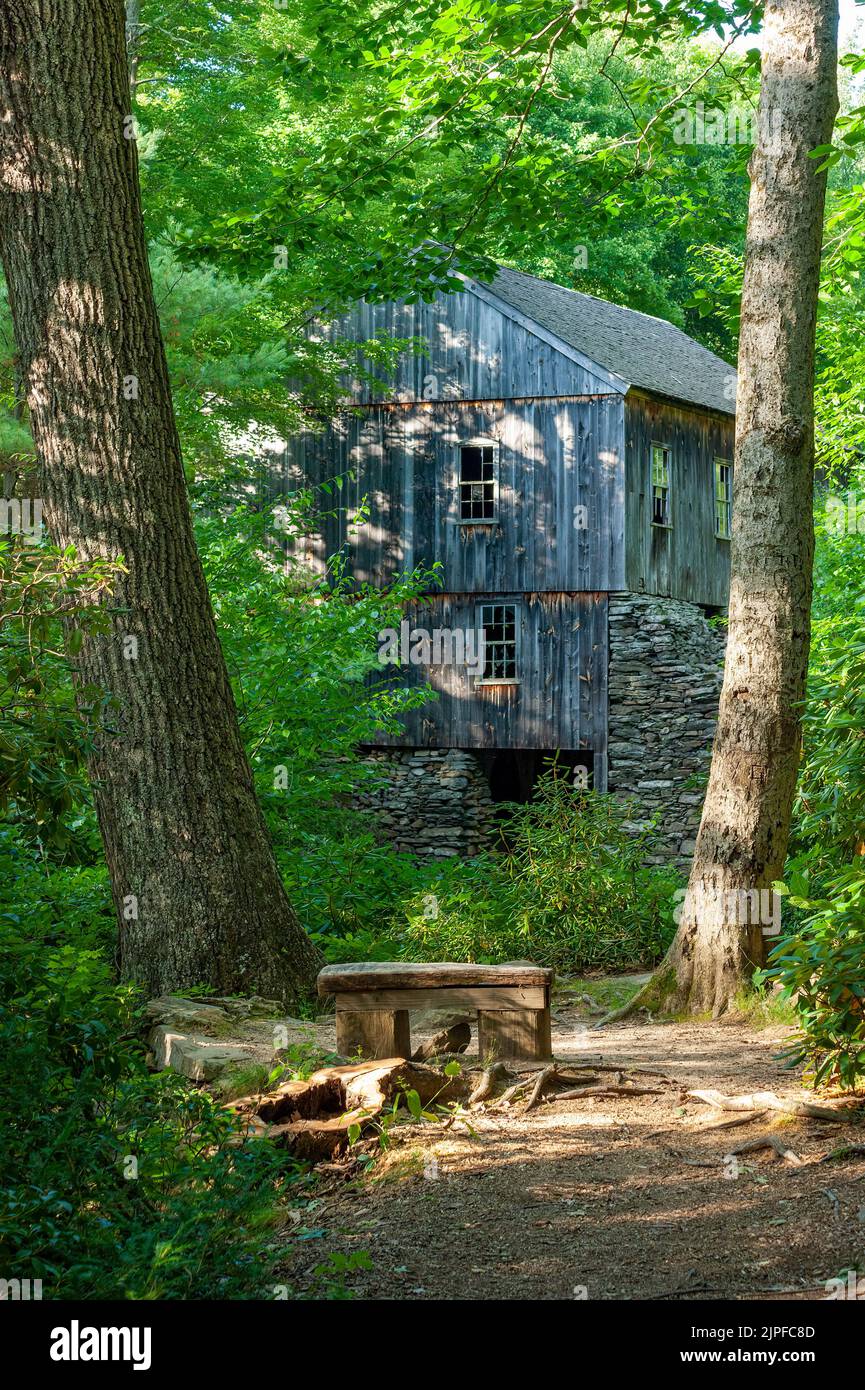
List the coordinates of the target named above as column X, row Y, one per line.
column 665, row 674
column 664, row 681
column 435, row 803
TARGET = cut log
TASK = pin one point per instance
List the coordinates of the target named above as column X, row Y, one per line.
column 453, row 1039
column 374, row 1084
column 313, row 1141
column 313, row 1118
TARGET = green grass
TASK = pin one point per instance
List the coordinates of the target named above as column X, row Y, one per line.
column 609, row 992
column 765, row 1008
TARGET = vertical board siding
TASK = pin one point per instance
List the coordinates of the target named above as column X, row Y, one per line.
column 469, row 350
column 685, row 561
column 567, row 439
column 560, row 700
column 554, row 456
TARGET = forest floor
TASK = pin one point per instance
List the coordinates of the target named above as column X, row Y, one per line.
column 628, row 1197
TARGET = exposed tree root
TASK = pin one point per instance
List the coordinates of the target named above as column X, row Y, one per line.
column 494, row 1075
column 605, row 1090
column 767, row 1100
column 545, row 1080
column 770, row 1141
column 733, row 1124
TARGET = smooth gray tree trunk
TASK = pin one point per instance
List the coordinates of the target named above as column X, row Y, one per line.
column 742, row 841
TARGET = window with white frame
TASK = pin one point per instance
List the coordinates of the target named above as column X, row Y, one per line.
column 660, row 485
column 477, row 480
column 499, row 624
column 723, row 499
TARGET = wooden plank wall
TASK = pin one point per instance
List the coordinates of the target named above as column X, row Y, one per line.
column 471, row 351
column 685, row 561
column 554, row 456
column 560, row 701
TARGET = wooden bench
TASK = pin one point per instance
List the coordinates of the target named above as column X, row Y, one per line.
column 373, row 1000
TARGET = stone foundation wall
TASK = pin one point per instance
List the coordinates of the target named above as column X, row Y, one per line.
column 664, row 681
column 436, row 802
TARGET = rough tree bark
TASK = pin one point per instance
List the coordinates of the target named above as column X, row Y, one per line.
column 193, row 877
column 742, row 840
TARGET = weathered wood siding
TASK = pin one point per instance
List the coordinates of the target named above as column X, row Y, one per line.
column 554, row 457
column 686, row 560
column 560, row 701
column 472, row 349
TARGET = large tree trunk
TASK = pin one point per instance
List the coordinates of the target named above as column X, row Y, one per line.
column 742, row 841
column 193, row 876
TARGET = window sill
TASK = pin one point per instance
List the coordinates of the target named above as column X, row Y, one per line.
column 498, row 680
column 725, row 539
column 477, row 521
column 662, row 525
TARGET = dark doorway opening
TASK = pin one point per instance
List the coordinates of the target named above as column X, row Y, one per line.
column 512, row 773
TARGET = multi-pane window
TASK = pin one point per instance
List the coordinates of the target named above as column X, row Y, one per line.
column 499, row 623
column 477, row 482
column 723, row 499
column 660, row 485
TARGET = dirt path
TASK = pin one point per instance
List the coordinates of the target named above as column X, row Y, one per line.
column 609, row 1196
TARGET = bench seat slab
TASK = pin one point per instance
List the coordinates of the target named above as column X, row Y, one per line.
column 374, row 975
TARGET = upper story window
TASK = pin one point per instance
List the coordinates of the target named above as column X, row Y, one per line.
column 477, row 483
column 661, row 456
column 499, row 623
column 723, row 499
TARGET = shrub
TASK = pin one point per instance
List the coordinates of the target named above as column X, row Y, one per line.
column 572, row 891
column 113, row 1182
column 822, row 968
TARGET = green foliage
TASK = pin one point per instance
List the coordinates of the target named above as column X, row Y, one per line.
column 302, row 653
column 822, row 966
column 113, row 1182
column 821, row 963
column 51, row 602
column 572, row 892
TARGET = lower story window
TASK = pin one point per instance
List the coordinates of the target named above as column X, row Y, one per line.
column 499, row 624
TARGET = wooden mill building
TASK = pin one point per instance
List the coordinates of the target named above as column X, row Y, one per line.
column 569, row 462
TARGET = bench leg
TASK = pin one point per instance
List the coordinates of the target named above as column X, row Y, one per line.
column 525, row 1034
column 374, row 1033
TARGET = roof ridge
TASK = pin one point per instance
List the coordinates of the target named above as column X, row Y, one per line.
column 649, row 352
column 610, row 303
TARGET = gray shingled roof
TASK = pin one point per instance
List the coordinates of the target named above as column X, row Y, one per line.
column 647, row 352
